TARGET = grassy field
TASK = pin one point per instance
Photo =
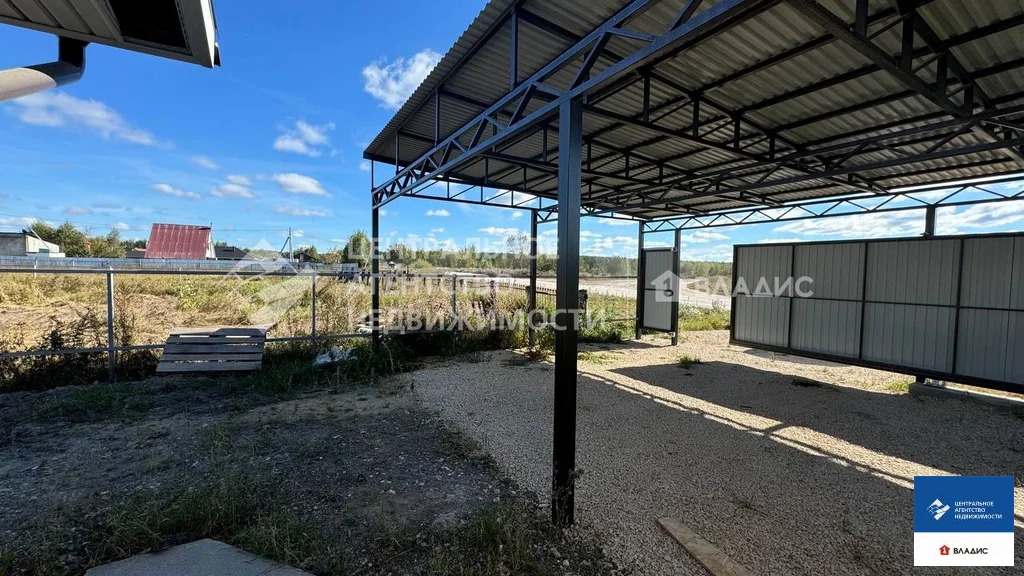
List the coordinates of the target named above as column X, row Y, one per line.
column 59, row 312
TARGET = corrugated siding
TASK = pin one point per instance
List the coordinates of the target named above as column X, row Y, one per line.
column 913, row 271
column 982, row 343
column 757, row 263
column 1017, row 278
column 826, row 327
column 656, row 264
column 988, row 267
column 836, row 269
column 762, row 320
column 657, row 315
column 911, row 336
column 1015, row 348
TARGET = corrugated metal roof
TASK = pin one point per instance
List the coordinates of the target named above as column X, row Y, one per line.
column 180, row 29
column 779, row 71
column 179, row 241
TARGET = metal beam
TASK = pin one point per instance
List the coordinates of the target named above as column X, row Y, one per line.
column 531, row 294
column 420, row 171
column 570, row 140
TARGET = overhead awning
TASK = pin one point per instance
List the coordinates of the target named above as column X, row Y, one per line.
column 183, row 30
column 699, row 107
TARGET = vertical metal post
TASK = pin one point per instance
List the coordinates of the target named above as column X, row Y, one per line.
column 312, row 301
column 929, row 222
column 639, row 279
column 375, row 277
column 531, row 294
column 570, row 150
column 676, row 253
column 455, row 301
column 111, row 352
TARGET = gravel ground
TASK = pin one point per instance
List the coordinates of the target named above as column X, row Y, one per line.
column 790, row 465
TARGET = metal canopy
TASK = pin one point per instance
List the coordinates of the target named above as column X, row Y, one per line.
column 694, row 108
column 179, row 29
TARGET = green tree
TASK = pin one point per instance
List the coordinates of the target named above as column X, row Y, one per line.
column 358, row 248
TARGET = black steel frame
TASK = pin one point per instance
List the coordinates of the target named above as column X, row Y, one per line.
column 768, row 174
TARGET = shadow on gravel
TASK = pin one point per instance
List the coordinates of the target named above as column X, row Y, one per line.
column 952, row 436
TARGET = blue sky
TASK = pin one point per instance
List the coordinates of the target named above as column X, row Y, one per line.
column 273, row 139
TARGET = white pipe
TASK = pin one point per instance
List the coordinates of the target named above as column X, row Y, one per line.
column 18, row 82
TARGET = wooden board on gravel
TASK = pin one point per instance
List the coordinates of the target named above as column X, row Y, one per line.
column 716, row 562
column 217, row 349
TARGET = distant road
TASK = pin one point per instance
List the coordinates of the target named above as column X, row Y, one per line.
column 626, row 287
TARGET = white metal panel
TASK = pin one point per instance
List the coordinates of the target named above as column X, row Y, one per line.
column 826, row 327
column 982, row 343
column 910, row 336
column 1015, row 348
column 764, row 263
column 656, row 263
column 913, row 271
column 987, row 269
column 762, row 320
column 1017, row 277
column 657, row 315
column 837, row 270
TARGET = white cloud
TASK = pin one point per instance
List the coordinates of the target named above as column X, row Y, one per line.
column 232, row 190
column 299, row 184
column 701, row 236
column 860, row 225
column 172, row 191
column 392, row 83
column 386, row 212
column 57, row 109
column 364, row 165
column 720, row 253
column 779, row 240
column 440, row 212
column 437, row 230
column 204, row 162
column 304, row 138
column 298, row 211
column 517, row 214
column 122, row 226
column 981, row 216
column 19, row 222
column 240, row 180
column 618, row 222
column 77, row 210
column 495, row 231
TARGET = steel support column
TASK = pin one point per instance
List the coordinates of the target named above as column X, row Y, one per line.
column 570, row 145
column 929, row 222
column 639, row 279
column 676, row 253
column 375, row 277
column 531, row 295
column 111, row 343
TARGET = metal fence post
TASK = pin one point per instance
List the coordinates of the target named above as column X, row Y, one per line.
column 455, row 310
column 312, row 331
column 111, row 352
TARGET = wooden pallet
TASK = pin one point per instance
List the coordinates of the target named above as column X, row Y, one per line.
column 218, row 349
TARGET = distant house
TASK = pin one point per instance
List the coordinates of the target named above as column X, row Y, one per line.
column 230, row 253
column 307, row 257
column 135, row 253
column 180, row 242
column 25, row 243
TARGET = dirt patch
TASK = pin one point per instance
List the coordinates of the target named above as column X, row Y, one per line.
column 394, row 486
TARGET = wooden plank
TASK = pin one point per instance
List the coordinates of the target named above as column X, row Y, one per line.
column 247, row 356
column 163, row 368
column 223, row 330
column 713, row 559
column 213, row 348
column 215, row 339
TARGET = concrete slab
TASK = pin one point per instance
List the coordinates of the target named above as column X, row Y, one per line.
column 919, row 389
column 200, row 558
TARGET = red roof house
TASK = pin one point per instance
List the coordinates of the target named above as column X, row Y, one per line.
column 180, row 241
